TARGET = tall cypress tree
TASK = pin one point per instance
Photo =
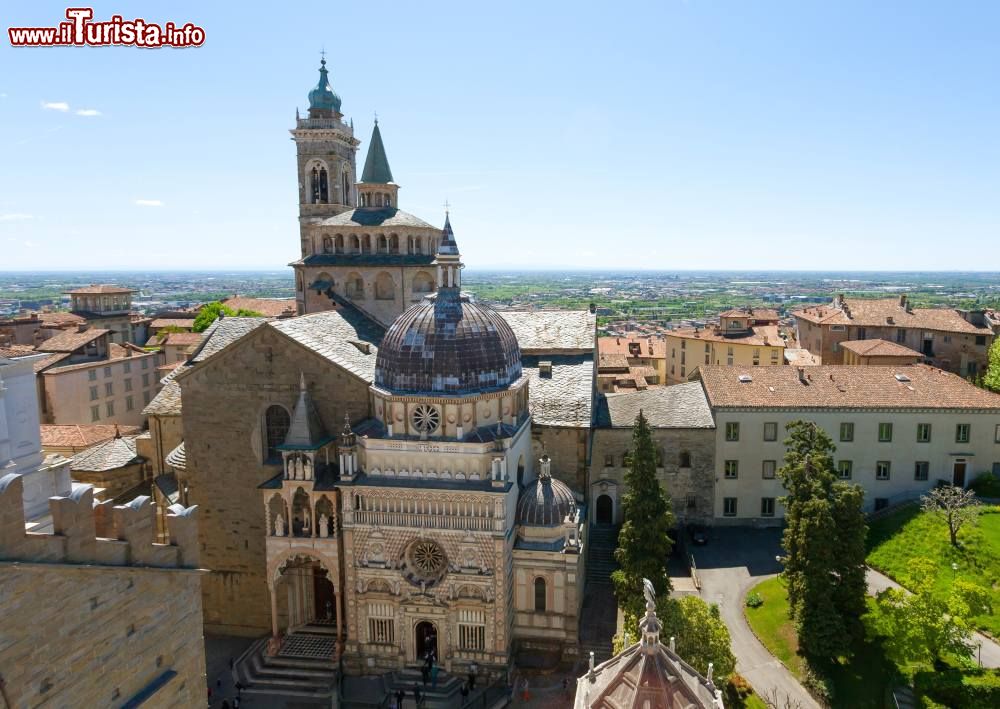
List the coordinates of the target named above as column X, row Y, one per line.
column 824, row 544
column 643, row 543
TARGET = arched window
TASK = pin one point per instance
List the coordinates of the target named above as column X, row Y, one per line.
column 685, row 459
column 347, row 187
column 338, row 244
column 540, row 595
column 355, row 244
column 394, row 244
column 366, row 243
column 385, row 289
column 276, row 422
column 383, row 244
column 422, row 282
column 327, row 245
column 320, row 185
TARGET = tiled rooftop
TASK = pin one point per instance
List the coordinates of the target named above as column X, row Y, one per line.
column 552, row 331
column 678, row 406
column 101, row 289
column 915, row 386
column 889, row 312
column 268, row 307
column 167, row 401
column 177, row 339
column 649, row 346
column 385, row 217
column 14, row 351
column 70, row 341
column 878, row 348
column 564, row 398
column 82, row 435
column 761, row 335
column 115, row 453
column 185, row 323
column 333, row 334
column 224, row 332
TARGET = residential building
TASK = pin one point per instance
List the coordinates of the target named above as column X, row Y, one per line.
column 33, row 328
column 683, row 432
column 105, row 306
column 943, row 336
column 879, row 352
column 645, row 362
column 182, row 324
column 113, row 467
column 174, row 345
column 743, row 337
column 86, row 379
column 898, row 430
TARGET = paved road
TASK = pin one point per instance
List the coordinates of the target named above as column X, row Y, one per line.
column 989, row 653
column 734, row 560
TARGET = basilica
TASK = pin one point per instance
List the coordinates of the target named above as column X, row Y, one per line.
column 398, row 471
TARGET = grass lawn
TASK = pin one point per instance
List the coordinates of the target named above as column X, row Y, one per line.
column 896, row 539
column 858, row 682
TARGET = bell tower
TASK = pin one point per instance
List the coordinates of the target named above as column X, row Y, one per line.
column 325, row 147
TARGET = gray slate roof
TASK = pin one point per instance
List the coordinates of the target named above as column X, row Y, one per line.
column 552, row 331
column 223, row 332
column 333, row 334
column 679, row 406
column 565, row 398
column 380, row 217
column 109, row 455
column 167, row 401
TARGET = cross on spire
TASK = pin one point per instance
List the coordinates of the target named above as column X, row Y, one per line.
column 447, row 207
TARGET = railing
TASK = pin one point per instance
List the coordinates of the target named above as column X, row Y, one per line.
column 495, row 695
column 412, row 519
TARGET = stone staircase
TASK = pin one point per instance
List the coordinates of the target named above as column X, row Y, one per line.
column 599, row 618
column 445, row 696
column 304, row 672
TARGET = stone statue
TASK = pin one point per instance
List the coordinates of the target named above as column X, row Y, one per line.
column 298, row 467
column 307, row 469
column 279, row 525
column 648, row 591
column 324, row 528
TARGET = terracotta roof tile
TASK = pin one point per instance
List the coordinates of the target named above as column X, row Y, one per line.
column 884, row 312
column 184, row 323
column 760, row 335
column 649, row 345
column 915, row 386
column 269, row 307
column 102, row 289
column 879, row 348
column 70, row 341
column 13, row 351
column 81, row 435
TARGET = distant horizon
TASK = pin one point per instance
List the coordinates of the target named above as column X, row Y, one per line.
column 556, row 269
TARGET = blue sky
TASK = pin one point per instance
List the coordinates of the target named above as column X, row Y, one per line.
column 670, row 135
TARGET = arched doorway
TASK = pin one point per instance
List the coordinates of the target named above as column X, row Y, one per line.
column 605, row 510
column 520, row 472
column 425, row 636
column 324, row 597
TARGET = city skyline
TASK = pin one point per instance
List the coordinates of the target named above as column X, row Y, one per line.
column 842, row 138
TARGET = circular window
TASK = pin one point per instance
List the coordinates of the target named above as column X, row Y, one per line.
column 424, row 562
column 428, row 557
column 426, row 418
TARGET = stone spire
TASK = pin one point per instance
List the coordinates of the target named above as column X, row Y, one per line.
column 306, row 429
column 376, row 164
column 448, row 260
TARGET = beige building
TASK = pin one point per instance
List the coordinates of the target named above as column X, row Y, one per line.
column 878, row 352
column 943, row 336
column 34, row 328
column 120, row 623
column 174, row 345
column 631, row 362
column 683, row 431
column 898, row 430
column 107, row 307
column 84, row 378
column 743, row 337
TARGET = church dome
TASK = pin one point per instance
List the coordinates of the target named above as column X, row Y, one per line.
column 323, row 97
column 447, row 344
column 545, row 503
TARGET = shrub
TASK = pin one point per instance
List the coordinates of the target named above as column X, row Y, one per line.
column 986, row 485
column 819, row 685
column 754, row 600
column 737, row 691
column 960, row 688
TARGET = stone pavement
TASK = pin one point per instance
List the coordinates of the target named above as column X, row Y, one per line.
column 218, row 652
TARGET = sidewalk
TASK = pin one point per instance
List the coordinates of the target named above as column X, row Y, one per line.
column 989, row 652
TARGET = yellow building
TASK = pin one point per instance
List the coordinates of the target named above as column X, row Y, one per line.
column 743, row 336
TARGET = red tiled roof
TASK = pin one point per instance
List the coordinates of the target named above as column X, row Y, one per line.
column 762, row 335
column 13, row 351
column 889, row 312
column 270, row 307
column 70, row 341
column 879, row 348
column 100, row 289
column 184, row 323
column 82, row 435
column 175, row 339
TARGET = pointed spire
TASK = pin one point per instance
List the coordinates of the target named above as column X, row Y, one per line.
column 323, row 99
column 306, row 429
column 448, row 245
column 376, row 164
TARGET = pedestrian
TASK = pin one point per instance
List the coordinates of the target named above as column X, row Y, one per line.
column 236, row 703
column 473, row 668
column 400, row 696
column 417, row 696
column 464, row 691
column 425, row 673
column 434, row 676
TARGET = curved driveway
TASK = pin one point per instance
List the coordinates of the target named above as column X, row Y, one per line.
column 734, row 560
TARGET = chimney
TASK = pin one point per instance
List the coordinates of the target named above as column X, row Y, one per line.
column 902, row 300
column 840, row 300
column 593, row 308
column 802, row 375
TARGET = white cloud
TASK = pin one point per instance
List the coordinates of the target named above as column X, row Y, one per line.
column 3, row 95
column 30, row 244
column 88, row 112
column 15, row 217
column 55, row 106
column 149, row 203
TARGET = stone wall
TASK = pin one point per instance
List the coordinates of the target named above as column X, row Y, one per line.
column 96, row 615
column 691, row 488
column 567, row 447
column 224, row 403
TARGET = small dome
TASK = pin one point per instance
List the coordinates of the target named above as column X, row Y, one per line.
column 545, row 503
column 323, row 97
column 447, row 344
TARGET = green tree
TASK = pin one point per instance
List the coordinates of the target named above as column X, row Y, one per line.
column 991, row 380
column 643, row 543
column 824, row 544
column 955, row 506
column 699, row 634
column 923, row 626
column 210, row 312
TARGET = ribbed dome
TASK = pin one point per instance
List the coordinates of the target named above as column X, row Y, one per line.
column 545, row 503
column 447, row 344
column 323, row 96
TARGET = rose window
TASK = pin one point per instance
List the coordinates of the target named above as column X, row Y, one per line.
column 426, row 418
column 424, row 563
